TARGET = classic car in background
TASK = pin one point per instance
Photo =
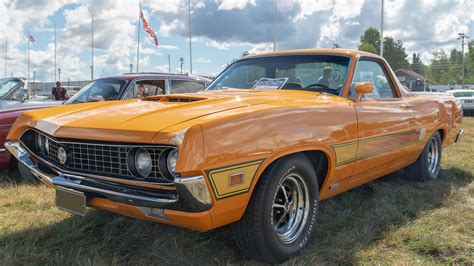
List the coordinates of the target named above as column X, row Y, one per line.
column 14, row 100
column 139, row 85
column 112, row 88
column 270, row 137
column 467, row 100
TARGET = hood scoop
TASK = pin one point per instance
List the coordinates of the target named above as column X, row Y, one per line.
column 174, row 98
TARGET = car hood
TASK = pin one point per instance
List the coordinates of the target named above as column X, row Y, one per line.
column 140, row 120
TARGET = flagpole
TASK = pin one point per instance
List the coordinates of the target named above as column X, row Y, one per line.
column 92, row 45
column 28, row 41
column 274, row 26
column 138, row 34
column 6, row 51
column 55, row 77
column 190, row 45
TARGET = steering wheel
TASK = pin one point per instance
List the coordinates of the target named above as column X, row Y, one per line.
column 323, row 88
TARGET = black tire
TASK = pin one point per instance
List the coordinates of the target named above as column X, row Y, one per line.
column 255, row 233
column 25, row 173
column 422, row 169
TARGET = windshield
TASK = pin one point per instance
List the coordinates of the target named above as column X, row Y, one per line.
column 7, row 85
column 463, row 94
column 319, row 73
column 98, row 91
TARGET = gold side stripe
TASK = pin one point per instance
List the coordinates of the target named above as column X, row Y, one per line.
column 337, row 147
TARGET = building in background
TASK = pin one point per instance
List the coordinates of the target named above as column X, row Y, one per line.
column 412, row 80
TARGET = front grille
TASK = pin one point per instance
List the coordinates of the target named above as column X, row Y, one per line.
column 105, row 159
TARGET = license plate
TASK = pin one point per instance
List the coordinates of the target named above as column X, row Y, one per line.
column 71, row 201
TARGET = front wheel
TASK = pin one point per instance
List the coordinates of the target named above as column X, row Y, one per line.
column 428, row 164
column 280, row 219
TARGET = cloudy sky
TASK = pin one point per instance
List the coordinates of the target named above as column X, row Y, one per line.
column 222, row 30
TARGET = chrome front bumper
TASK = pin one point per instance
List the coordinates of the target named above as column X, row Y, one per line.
column 192, row 192
column 459, row 136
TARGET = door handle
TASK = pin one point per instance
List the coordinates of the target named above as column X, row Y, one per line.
column 405, row 106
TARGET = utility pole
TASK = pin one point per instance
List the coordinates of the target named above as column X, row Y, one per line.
column 169, row 64
column 190, row 46
column 59, row 74
column 131, row 67
column 381, row 29
column 462, row 37
column 92, row 46
column 34, row 83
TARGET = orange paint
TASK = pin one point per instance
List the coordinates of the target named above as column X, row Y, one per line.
column 233, row 127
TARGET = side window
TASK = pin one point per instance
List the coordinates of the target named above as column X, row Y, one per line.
column 145, row 88
column 370, row 71
column 186, row 86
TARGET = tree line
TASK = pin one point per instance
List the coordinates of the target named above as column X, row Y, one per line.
column 445, row 68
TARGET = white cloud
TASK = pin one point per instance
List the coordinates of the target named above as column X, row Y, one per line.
column 218, row 45
column 235, row 4
column 203, row 60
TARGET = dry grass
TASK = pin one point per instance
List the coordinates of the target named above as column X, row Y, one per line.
column 391, row 220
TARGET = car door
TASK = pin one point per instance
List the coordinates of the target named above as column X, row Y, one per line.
column 386, row 126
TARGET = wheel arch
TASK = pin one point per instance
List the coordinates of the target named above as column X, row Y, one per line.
column 322, row 159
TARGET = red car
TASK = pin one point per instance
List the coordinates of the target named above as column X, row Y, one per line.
column 111, row 88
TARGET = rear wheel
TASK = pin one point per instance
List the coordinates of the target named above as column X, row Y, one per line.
column 280, row 219
column 428, row 164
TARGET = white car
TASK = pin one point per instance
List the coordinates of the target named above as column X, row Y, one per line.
column 467, row 100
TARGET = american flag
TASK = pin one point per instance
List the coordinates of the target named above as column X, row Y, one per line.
column 148, row 29
column 31, row 38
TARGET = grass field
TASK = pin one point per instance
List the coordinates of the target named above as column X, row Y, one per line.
column 391, row 220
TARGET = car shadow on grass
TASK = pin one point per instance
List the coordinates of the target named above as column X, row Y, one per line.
column 347, row 224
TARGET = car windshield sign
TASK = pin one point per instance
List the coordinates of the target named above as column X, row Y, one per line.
column 318, row 73
column 98, row 91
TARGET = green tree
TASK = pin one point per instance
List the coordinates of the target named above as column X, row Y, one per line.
column 371, row 36
column 367, row 47
column 394, row 52
column 417, row 65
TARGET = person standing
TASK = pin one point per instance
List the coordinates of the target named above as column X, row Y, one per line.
column 59, row 93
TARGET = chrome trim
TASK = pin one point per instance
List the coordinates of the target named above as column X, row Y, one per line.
column 3, row 150
column 64, row 180
column 194, row 190
column 459, row 136
column 108, row 178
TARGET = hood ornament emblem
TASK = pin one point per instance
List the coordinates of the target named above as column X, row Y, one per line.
column 62, row 155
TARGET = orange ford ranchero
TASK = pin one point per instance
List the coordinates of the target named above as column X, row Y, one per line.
column 269, row 138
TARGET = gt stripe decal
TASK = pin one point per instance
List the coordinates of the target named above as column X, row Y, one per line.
column 351, row 151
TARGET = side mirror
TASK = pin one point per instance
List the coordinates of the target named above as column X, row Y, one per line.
column 24, row 97
column 363, row 88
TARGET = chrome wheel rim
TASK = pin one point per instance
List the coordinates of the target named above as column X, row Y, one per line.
column 433, row 156
column 290, row 208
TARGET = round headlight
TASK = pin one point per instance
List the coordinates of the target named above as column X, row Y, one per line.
column 143, row 162
column 46, row 145
column 171, row 162
column 40, row 143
